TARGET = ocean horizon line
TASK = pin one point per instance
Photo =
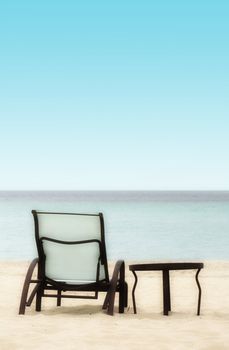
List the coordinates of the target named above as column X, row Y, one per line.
column 120, row 190
column 119, row 195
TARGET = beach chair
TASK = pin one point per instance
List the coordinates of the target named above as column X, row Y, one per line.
column 72, row 258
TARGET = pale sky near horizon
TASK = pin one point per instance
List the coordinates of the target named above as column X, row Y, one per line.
column 114, row 95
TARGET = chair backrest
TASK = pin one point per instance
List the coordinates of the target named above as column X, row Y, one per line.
column 71, row 247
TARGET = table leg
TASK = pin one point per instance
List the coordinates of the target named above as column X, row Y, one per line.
column 199, row 297
column 133, row 291
column 169, row 297
column 166, row 293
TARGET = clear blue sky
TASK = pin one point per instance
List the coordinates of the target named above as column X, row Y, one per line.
column 114, row 95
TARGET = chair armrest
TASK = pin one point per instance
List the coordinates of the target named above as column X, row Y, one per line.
column 119, row 267
column 28, row 280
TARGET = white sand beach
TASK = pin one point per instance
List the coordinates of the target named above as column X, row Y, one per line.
column 81, row 324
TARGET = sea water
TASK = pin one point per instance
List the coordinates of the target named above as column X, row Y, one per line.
column 150, row 225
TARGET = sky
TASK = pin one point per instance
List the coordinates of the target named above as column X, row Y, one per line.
column 114, row 95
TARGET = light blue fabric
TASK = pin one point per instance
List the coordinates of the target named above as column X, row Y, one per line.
column 71, row 263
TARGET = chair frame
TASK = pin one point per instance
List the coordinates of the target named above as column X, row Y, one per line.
column 43, row 284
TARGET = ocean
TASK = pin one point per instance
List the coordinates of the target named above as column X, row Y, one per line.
column 139, row 225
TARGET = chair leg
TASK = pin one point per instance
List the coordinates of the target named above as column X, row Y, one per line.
column 122, row 290
column 121, row 301
column 110, row 297
column 106, row 301
column 58, row 298
column 38, row 298
column 25, row 288
column 110, row 309
column 32, row 295
column 126, row 294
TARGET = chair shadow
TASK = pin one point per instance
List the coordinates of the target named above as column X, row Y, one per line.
column 73, row 310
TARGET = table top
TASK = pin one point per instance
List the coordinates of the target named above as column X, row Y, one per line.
column 166, row 266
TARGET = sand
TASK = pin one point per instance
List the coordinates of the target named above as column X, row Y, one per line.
column 81, row 324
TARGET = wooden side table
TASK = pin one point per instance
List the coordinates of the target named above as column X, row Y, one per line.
column 165, row 268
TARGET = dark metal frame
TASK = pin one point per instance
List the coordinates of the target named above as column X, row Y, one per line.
column 165, row 268
column 43, row 283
